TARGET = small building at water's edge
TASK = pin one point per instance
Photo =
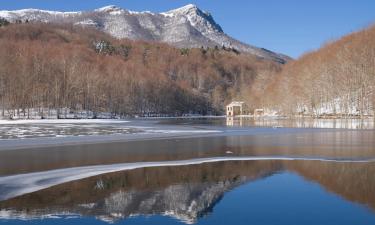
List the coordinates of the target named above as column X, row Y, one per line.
column 237, row 109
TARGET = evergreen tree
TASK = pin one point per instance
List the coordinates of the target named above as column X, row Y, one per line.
column 3, row 22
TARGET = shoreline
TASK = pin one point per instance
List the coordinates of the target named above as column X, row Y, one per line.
column 149, row 129
column 127, row 119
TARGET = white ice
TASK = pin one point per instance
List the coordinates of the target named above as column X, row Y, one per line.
column 16, row 185
column 61, row 121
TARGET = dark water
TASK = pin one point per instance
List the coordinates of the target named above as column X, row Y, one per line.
column 282, row 176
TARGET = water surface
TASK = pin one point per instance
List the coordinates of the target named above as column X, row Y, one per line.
column 242, row 175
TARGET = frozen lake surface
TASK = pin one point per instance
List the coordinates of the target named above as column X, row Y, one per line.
column 184, row 171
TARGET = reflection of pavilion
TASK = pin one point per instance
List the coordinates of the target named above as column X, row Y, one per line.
column 239, row 121
column 231, row 122
column 235, row 121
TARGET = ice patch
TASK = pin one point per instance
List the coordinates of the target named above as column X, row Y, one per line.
column 61, row 121
column 16, row 185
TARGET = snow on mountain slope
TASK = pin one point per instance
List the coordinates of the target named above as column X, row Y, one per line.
column 185, row 27
column 36, row 15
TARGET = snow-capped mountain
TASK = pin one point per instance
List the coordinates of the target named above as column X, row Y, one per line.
column 185, row 27
column 184, row 202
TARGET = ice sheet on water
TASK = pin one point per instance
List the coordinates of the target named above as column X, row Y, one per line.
column 62, row 121
column 16, row 185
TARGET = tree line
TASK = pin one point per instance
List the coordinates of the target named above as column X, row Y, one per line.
column 67, row 68
column 337, row 79
column 47, row 67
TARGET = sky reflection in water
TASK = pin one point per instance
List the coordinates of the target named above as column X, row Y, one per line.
column 240, row 192
column 215, row 193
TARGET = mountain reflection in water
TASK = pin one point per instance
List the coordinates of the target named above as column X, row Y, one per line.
column 330, row 179
column 186, row 193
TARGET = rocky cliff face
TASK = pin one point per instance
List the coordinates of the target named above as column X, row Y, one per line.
column 185, row 27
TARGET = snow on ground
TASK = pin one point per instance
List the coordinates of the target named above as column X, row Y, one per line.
column 51, row 114
column 61, row 121
column 341, row 106
column 16, row 185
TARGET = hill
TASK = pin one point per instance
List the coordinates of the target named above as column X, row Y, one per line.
column 185, row 27
column 335, row 80
column 68, row 68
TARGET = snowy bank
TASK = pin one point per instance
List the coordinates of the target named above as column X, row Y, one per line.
column 60, row 121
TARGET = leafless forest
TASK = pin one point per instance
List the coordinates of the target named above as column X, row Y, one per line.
column 44, row 67
column 338, row 79
column 58, row 67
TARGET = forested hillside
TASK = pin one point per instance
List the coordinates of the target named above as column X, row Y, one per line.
column 338, row 79
column 47, row 66
column 71, row 69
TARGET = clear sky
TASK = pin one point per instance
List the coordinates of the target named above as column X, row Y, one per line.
column 291, row 27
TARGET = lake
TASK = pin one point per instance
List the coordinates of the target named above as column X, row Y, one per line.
column 188, row 171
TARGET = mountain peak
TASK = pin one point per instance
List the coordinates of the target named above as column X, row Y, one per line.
column 109, row 8
column 187, row 9
column 199, row 19
column 189, row 6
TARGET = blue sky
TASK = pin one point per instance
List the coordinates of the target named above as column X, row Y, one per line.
column 291, row 27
